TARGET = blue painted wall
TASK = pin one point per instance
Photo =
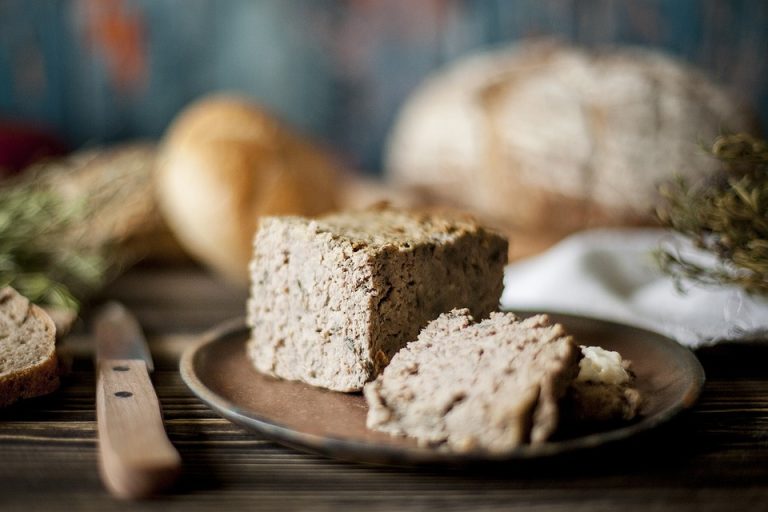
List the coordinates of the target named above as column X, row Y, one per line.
column 106, row 70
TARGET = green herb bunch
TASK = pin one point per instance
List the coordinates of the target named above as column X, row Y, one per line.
column 726, row 215
column 40, row 255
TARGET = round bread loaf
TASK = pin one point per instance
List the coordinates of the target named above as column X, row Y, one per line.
column 548, row 139
column 224, row 163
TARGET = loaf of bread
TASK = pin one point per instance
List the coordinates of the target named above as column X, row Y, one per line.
column 28, row 362
column 116, row 186
column 333, row 299
column 476, row 386
column 224, row 163
column 545, row 139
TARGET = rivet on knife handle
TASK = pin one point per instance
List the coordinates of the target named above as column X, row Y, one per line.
column 136, row 459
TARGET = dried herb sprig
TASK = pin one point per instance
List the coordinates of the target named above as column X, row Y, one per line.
column 725, row 215
column 38, row 255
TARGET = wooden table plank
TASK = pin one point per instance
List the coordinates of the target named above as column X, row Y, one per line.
column 713, row 458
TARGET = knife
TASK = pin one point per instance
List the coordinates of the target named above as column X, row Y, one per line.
column 136, row 459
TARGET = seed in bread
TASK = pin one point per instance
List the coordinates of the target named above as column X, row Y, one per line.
column 464, row 385
column 333, row 299
column 28, row 363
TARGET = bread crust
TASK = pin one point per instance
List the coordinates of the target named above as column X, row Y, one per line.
column 37, row 379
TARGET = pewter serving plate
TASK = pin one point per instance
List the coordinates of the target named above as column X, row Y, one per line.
column 320, row 421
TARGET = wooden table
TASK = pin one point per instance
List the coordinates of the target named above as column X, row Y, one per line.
column 713, row 458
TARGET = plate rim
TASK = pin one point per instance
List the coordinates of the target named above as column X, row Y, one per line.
column 366, row 452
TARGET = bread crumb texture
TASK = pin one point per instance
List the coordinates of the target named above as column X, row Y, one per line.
column 334, row 298
column 604, row 389
column 465, row 385
column 28, row 364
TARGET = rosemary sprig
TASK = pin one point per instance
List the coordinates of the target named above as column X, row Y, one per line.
column 725, row 215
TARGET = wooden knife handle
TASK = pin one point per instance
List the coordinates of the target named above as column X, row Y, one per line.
column 136, row 459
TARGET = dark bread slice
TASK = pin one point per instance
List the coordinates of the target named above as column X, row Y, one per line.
column 28, row 362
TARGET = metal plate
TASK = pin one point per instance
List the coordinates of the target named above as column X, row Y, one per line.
column 331, row 423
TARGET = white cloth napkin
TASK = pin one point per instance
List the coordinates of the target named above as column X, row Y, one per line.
column 610, row 274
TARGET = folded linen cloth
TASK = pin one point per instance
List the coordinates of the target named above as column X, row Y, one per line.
column 610, row 274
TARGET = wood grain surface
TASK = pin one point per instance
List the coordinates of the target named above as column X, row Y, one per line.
column 136, row 458
column 713, row 458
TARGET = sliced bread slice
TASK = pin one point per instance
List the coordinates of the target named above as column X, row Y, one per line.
column 462, row 386
column 28, row 363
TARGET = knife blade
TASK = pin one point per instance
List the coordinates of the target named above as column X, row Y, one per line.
column 136, row 458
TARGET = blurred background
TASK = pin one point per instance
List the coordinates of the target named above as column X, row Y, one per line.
column 98, row 71
column 557, row 124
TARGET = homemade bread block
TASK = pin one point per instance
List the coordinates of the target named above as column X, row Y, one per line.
column 28, row 363
column 464, row 385
column 333, row 299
